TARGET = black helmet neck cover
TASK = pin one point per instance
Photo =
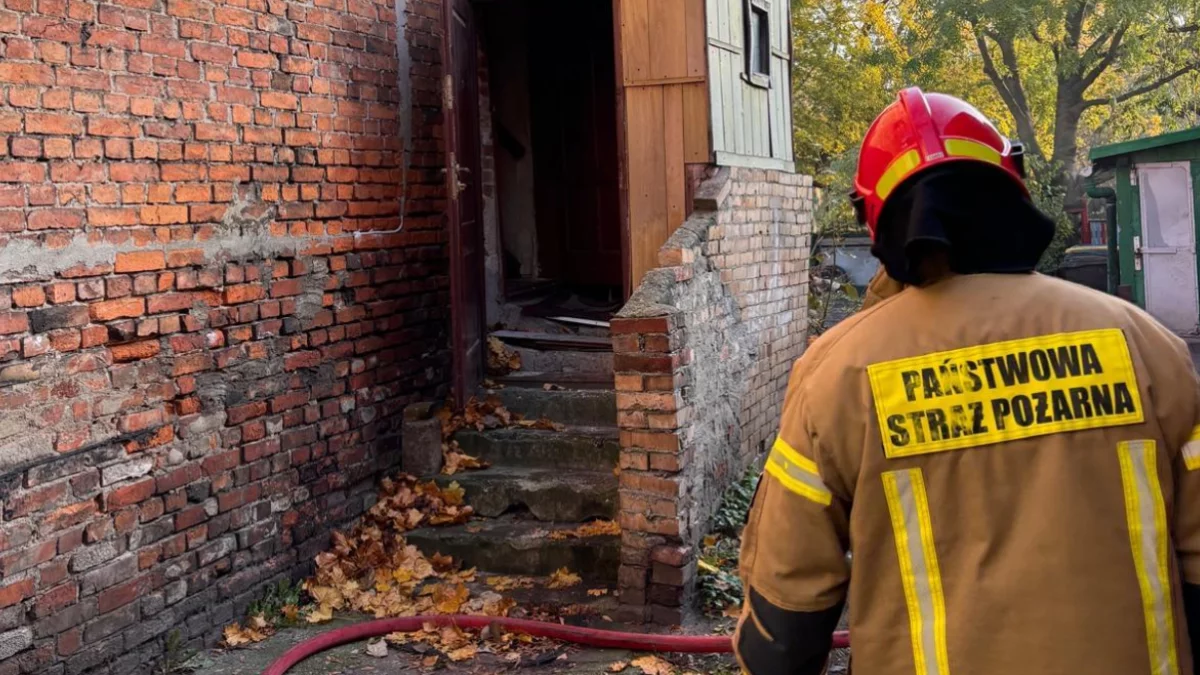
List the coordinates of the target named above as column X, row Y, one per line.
column 976, row 213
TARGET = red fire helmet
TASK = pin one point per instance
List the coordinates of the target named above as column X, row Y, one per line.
column 920, row 131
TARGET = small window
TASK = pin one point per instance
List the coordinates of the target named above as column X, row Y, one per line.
column 758, row 42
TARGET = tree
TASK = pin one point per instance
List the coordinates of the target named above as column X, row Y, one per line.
column 1053, row 61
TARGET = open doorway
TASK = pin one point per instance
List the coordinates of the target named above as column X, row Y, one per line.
column 552, row 87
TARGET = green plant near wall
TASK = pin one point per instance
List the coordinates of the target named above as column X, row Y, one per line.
column 719, row 584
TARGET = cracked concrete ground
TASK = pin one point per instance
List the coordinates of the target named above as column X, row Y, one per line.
column 353, row 660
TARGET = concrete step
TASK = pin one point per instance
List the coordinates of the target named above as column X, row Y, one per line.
column 584, row 407
column 521, row 547
column 557, row 364
column 551, row 495
column 589, row 448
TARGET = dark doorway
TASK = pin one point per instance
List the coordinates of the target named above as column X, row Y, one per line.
column 553, row 91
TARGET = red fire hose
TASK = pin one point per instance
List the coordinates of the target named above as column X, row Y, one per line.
column 592, row 637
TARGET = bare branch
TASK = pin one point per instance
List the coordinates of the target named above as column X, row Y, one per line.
column 1009, row 87
column 1145, row 88
column 1114, row 49
column 1188, row 28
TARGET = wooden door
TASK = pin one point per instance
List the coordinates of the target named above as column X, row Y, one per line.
column 573, row 90
column 463, row 172
column 666, row 118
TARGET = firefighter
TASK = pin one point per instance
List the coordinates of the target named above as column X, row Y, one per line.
column 1012, row 459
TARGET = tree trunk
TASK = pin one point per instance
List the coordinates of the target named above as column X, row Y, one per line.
column 1068, row 110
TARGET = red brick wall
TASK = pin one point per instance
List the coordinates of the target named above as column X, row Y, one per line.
column 222, row 275
column 702, row 355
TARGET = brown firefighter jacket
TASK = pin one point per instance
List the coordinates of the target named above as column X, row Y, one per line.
column 1014, row 461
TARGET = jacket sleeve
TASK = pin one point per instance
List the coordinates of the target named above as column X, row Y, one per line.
column 1176, row 390
column 793, row 560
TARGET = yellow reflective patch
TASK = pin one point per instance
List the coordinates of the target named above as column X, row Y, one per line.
column 1150, row 541
column 896, row 172
column 1191, row 450
column 961, row 147
column 797, row 473
column 781, row 446
column 1005, row 391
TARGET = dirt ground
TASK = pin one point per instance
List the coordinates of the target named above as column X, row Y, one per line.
column 353, row 660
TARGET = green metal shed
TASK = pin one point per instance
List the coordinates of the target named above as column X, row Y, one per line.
column 1157, row 221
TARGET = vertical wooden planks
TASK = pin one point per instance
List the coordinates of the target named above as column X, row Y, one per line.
column 647, row 176
column 695, row 123
column 715, row 97
column 668, row 42
column 635, row 40
column 696, row 38
column 673, row 145
column 722, row 20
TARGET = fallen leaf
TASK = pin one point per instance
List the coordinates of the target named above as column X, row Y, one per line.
column 653, row 665
column 563, row 578
column 500, row 359
column 597, row 592
column 441, row 563
column 618, row 666
column 320, row 614
column 378, row 649
column 462, row 653
column 733, row 611
column 448, row 598
column 502, row 584
column 596, row 528
column 429, row 661
column 259, row 622
column 235, row 635
column 290, row 612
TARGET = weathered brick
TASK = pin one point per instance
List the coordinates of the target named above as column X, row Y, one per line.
column 135, row 351
column 51, row 318
column 129, row 494
column 117, row 309
column 140, row 261
column 13, row 322
column 11, row 594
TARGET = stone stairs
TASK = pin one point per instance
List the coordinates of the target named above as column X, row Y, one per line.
column 541, row 481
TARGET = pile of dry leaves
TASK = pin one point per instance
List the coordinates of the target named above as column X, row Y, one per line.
column 501, row 360
column 479, row 415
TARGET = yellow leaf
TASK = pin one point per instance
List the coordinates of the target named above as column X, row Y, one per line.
column 597, row 592
column 290, row 612
column 235, row 635
column 448, row 598
column 259, row 621
column 653, row 665
column 707, row 567
column 321, row 614
column 429, row 661
column 595, row 528
column 327, row 596
column 618, row 666
column 462, row 653
column 563, row 578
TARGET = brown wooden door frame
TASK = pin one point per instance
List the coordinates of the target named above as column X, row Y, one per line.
column 467, row 323
column 622, row 155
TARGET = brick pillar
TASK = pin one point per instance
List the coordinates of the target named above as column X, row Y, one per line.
column 650, row 360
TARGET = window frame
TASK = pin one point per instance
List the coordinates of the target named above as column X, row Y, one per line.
column 749, row 75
